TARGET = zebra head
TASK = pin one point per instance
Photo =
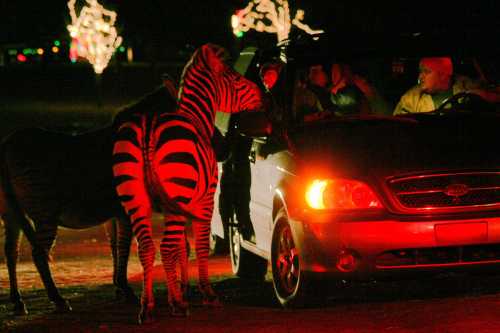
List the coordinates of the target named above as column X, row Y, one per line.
column 209, row 77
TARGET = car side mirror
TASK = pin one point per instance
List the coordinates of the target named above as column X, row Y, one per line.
column 254, row 124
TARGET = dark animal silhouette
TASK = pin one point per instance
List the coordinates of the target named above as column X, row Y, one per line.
column 50, row 179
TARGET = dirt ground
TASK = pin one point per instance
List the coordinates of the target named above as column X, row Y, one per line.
column 82, row 269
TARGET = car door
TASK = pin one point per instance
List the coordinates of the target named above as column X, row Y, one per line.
column 267, row 172
column 260, row 194
column 265, row 156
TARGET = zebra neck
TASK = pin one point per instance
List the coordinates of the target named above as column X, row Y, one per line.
column 203, row 121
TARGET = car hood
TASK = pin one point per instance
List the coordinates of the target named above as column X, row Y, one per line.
column 391, row 145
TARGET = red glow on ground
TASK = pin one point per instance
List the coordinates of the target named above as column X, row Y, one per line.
column 84, row 258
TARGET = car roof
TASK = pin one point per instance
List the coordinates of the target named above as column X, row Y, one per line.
column 346, row 47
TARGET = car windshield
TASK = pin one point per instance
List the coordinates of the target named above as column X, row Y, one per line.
column 331, row 77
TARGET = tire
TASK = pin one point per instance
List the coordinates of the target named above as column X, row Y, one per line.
column 292, row 287
column 244, row 263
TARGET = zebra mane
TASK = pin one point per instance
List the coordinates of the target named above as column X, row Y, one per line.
column 209, row 57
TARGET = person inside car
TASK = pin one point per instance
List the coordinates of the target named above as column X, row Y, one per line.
column 318, row 82
column 436, row 83
column 349, row 93
column 269, row 74
column 312, row 95
column 346, row 82
column 343, row 93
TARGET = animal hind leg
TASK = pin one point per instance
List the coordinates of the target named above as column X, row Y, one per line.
column 173, row 252
column 139, row 209
column 110, row 230
column 131, row 187
column 184, row 269
column 122, row 235
column 11, row 246
column 201, row 230
column 45, row 234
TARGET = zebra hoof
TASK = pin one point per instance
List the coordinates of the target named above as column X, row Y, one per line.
column 20, row 309
column 63, row 306
column 145, row 316
column 179, row 309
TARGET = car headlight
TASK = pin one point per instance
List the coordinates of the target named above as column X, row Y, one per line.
column 342, row 194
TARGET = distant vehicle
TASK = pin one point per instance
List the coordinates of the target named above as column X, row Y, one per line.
column 365, row 196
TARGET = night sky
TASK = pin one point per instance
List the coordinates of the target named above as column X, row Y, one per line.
column 198, row 21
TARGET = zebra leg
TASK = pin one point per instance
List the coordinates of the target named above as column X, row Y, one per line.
column 119, row 233
column 201, row 230
column 130, row 182
column 173, row 251
column 110, row 231
column 124, row 241
column 142, row 228
column 11, row 246
column 45, row 235
column 183, row 261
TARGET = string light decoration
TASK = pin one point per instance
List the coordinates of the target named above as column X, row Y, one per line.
column 269, row 16
column 94, row 33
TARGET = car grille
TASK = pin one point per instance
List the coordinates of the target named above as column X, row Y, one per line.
column 463, row 191
column 441, row 256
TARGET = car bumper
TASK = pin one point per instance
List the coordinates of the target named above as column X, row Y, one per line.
column 393, row 247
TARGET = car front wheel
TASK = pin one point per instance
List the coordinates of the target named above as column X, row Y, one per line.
column 291, row 285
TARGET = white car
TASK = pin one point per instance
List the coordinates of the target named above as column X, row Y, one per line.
column 365, row 196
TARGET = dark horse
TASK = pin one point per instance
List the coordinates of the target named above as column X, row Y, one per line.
column 50, row 179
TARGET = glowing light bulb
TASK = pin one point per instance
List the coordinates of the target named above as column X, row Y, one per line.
column 94, row 34
column 272, row 16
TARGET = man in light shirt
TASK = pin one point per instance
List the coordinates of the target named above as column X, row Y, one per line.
column 436, row 83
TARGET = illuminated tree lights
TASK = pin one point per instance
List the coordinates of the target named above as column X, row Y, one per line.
column 93, row 34
column 269, row 16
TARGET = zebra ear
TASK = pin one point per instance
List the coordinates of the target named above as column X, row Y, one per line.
column 215, row 56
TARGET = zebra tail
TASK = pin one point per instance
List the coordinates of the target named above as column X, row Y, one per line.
column 8, row 201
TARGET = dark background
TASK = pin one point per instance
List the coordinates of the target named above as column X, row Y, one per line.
column 156, row 26
column 163, row 34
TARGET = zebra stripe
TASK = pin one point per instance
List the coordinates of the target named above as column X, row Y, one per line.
column 175, row 165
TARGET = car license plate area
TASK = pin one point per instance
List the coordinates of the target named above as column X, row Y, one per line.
column 461, row 233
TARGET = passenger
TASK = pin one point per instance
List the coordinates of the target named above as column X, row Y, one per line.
column 309, row 85
column 436, row 83
column 269, row 74
column 345, row 93
column 318, row 82
column 377, row 104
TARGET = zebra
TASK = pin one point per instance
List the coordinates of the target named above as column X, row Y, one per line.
column 166, row 162
column 50, row 179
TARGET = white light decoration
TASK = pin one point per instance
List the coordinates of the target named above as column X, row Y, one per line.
column 95, row 32
column 272, row 16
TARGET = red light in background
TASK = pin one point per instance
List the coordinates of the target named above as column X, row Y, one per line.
column 21, row 57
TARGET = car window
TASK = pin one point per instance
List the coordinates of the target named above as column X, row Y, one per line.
column 306, row 88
